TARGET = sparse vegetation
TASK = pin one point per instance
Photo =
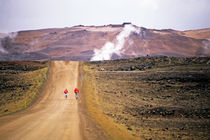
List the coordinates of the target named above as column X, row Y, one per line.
column 150, row 97
column 20, row 82
column 92, row 99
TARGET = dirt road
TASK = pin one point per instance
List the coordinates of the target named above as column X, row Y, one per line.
column 52, row 116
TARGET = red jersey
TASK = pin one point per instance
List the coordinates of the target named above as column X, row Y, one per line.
column 76, row 90
column 65, row 91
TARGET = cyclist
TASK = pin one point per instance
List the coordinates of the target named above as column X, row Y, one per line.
column 76, row 91
column 66, row 92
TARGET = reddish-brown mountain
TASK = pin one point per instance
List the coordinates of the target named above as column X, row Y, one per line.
column 79, row 42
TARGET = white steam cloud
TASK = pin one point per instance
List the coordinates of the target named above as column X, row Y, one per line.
column 106, row 52
column 2, row 50
column 12, row 36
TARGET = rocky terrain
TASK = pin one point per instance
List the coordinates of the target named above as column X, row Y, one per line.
column 20, row 82
column 160, row 91
column 150, row 97
column 79, row 43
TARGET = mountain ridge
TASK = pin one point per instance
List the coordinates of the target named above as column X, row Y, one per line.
column 80, row 42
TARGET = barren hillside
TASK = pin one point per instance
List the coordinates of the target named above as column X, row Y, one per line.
column 79, row 43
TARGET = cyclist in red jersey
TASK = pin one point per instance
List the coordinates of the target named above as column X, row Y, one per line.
column 76, row 91
column 66, row 92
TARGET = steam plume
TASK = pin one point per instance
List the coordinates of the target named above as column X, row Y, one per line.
column 2, row 50
column 11, row 36
column 106, row 52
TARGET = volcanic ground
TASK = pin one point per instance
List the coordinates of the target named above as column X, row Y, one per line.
column 79, row 43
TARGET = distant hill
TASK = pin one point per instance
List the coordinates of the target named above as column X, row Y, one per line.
column 79, row 42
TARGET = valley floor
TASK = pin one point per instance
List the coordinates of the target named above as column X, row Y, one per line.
column 141, row 98
column 52, row 116
column 152, row 97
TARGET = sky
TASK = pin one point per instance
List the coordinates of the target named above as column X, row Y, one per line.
column 16, row 15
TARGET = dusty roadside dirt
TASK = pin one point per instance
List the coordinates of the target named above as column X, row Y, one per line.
column 51, row 116
column 90, row 130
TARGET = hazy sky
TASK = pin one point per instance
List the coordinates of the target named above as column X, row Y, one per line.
column 160, row 14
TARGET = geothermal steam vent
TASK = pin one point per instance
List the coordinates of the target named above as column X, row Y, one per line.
column 110, row 48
